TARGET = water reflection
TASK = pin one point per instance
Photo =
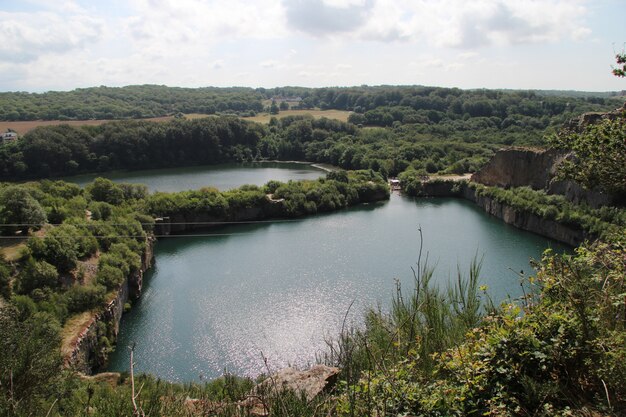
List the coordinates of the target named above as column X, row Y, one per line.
column 278, row 289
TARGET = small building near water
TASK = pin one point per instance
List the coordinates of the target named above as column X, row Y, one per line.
column 8, row 136
column 394, row 183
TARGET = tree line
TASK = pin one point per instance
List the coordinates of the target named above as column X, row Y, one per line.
column 432, row 103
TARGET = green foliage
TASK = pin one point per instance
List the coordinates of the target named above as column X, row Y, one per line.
column 205, row 200
column 136, row 101
column 5, row 279
column 103, row 189
column 427, row 128
column 558, row 353
column 412, row 180
column 121, row 258
column 62, row 246
column 109, row 276
column 85, row 297
column 37, row 274
column 599, row 155
column 620, row 71
column 101, row 210
column 30, row 362
column 600, row 222
column 19, row 210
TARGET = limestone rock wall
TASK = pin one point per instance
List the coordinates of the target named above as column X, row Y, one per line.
column 518, row 167
column 508, row 214
column 91, row 347
column 529, row 221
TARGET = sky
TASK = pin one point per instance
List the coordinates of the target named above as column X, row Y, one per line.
column 518, row 44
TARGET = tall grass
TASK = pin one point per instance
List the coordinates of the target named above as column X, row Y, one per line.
column 420, row 324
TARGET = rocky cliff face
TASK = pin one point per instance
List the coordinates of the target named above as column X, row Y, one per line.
column 510, row 215
column 577, row 124
column 91, row 347
column 527, row 221
column 519, row 167
column 536, row 168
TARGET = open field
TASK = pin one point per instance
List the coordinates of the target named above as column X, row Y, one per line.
column 11, row 248
column 341, row 115
column 21, row 127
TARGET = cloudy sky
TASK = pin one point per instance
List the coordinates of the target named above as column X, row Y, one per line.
column 544, row 44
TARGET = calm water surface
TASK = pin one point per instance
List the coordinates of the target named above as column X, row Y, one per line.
column 224, row 302
column 222, row 177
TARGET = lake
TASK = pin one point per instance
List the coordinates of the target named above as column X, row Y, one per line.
column 222, row 177
column 276, row 291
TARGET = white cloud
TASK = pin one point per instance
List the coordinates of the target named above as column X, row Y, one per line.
column 198, row 22
column 73, row 43
column 450, row 23
column 217, row 64
column 321, row 17
column 270, row 64
column 27, row 36
column 499, row 22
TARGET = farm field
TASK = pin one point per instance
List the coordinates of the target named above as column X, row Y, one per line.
column 22, row 127
column 341, row 115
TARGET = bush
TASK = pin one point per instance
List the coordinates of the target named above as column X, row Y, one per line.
column 84, row 297
column 37, row 274
column 109, row 276
column 5, row 280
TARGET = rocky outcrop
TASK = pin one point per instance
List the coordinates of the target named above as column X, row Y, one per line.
column 189, row 222
column 519, row 167
column 575, row 193
column 269, row 208
column 577, row 124
column 521, row 219
column 309, row 383
column 537, row 168
column 526, row 220
column 89, row 350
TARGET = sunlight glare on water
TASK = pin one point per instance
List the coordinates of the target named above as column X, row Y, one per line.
column 277, row 291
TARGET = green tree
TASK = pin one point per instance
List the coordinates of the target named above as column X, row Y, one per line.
column 599, row 155
column 620, row 71
column 5, row 280
column 30, row 362
column 20, row 210
column 37, row 274
column 103, row 189
column 274, row 109
column 59, row 247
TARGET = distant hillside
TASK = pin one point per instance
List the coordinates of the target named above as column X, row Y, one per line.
column 415, row 103
column 131, row 102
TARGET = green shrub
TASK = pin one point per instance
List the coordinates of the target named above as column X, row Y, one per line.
column 37, row 274
column 84, row 297
column 109, row 276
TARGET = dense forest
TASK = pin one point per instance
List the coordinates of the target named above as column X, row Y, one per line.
column 130, row 102
column 410, row 104
column 433, row 142
column 390, row 129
